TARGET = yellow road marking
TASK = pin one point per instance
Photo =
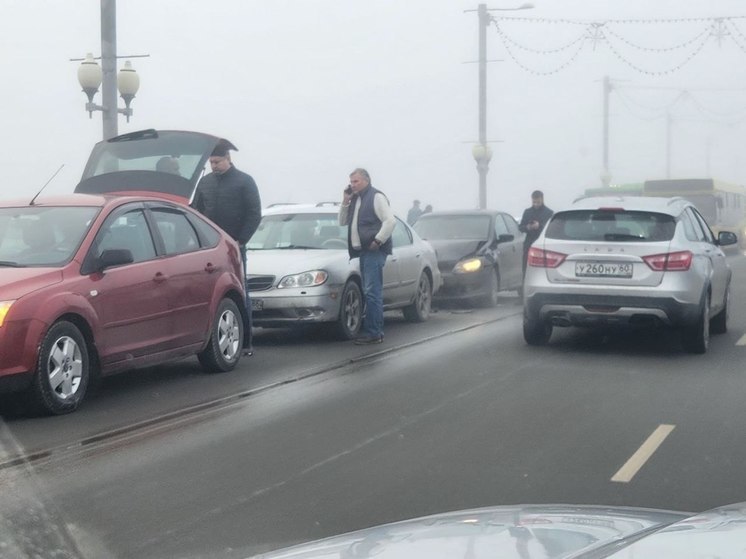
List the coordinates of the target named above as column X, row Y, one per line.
column 643, row 454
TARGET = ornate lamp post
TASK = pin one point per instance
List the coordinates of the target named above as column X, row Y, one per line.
column 482, row 154
column 128, row 83
column 91, row 75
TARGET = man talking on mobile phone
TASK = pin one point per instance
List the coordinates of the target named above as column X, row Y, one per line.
column 367, row 213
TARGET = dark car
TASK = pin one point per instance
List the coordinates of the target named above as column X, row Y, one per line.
column 479, row 253
column 93, row 284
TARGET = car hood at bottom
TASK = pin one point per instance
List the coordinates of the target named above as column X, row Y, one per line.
column 543, row 532
column 18, row 282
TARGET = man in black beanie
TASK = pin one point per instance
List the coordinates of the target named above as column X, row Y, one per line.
column 230, row 198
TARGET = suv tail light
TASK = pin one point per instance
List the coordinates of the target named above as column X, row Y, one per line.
column 670, row 262
column 539, row 258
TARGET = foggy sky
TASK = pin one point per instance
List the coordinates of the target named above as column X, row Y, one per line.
column 310, row 89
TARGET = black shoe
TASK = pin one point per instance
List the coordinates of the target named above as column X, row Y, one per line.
column 247, row 351
column 368, row 340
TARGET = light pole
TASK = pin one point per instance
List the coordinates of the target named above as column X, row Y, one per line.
column 481, row 152
column 91, row 75
column 606, row 172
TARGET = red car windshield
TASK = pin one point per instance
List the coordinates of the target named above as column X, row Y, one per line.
column 42, row 236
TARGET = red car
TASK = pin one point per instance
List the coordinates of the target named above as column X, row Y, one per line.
column 120, row 275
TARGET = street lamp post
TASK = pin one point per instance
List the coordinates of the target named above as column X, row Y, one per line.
column 481, row 152
column 91, row 75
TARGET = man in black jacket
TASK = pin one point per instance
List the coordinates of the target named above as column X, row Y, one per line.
column 230, row 198
column 533, row 221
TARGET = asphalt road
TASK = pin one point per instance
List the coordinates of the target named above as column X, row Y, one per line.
column 314, row 437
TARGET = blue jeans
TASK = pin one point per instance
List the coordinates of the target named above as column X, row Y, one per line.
column 371, row 270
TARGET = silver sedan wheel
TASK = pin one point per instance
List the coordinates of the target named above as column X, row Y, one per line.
column 65, row 367
column 352, row 309
column 419, row 310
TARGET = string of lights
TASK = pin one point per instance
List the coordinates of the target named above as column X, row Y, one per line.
column 526, row 68
column 647, row 118
column 659, row 110
column 727, row 115
column 667, row 71
column 683, row 95
column 621, row 21
column 597, row 33
column 734, row 28
column 685, row 44
column 736, row 32
column 513, row 42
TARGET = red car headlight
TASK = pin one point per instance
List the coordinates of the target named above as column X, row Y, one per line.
column 4, row 309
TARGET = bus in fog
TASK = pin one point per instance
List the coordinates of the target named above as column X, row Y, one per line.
column 626, row 189
column 723, row 205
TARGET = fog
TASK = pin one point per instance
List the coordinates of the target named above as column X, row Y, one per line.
column 310, row 89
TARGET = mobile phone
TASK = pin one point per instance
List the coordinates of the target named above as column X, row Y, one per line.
column 348, row 190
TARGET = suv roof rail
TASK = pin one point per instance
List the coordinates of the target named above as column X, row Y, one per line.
column 278, row 204
column 321, row 204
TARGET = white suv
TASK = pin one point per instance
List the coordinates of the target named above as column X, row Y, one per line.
column 636, row 261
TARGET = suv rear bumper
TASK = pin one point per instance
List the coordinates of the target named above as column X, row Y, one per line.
column 563, row 309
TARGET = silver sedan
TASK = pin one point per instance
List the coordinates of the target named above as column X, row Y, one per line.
column 299, row 271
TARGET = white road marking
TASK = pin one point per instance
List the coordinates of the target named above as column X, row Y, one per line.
column 643, row 454
column 742, row 341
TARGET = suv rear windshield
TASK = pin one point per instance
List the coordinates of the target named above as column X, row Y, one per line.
column 611, row 225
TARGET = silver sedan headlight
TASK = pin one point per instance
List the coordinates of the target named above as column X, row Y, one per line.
column 304, row 279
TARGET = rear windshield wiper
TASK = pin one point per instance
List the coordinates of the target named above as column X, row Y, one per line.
column 9, row 264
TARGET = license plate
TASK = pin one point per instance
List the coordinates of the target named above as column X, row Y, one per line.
column 603, row 269
column 257, row 304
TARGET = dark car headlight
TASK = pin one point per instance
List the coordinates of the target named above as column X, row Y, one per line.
column 468, row 266
column 304, row 279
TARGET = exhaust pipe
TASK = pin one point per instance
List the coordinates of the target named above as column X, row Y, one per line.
column 561, row 320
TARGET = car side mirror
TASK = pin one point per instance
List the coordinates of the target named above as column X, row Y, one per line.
column 114, row 257
column 726, row 238
column 505, row 238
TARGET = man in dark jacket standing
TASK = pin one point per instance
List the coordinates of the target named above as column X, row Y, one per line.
column 414, row 212
column 367, row 212
column 533, row 221
column 230, row 198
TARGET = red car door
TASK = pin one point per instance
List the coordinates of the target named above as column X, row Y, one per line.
column 192, row 275
column 131, row 300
